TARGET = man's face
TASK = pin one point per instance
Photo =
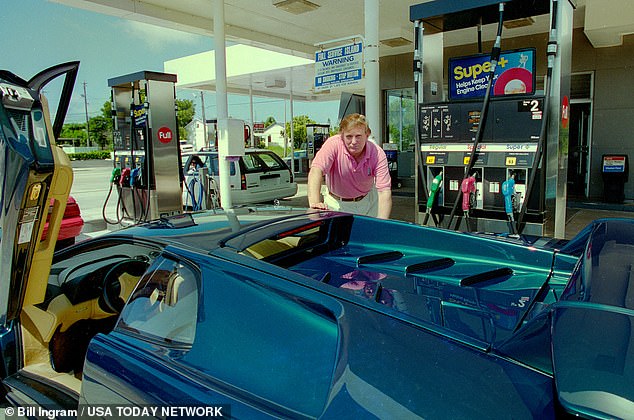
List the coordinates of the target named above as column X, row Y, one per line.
column 355, row 139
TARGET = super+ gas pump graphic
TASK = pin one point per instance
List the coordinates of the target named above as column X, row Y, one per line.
column 147, row 164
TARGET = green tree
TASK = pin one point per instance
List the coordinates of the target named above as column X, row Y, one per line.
column 101, row 127
column 185, row 113
column 106, row 110
column 269, row 122
column 101, row 131
column 74, row 131
column 299, row 129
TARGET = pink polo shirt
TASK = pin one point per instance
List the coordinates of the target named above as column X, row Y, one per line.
column 347, row 178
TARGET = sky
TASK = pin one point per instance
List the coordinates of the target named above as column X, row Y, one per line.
column 38, row 34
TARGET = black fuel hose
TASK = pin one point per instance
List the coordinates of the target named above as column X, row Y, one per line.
column 495, row 57
column 105, row 204
column 551, row 53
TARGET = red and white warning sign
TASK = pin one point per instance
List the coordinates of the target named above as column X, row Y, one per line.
column 565, row 112
column 164, row 134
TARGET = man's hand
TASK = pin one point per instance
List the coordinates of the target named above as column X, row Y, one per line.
column 320, row 206
column 314, row 189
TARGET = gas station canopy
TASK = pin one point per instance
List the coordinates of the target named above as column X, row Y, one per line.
column 295, row 29
column 264, row 72
column 295, row 26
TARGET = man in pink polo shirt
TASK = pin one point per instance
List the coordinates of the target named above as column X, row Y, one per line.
column 356, row 170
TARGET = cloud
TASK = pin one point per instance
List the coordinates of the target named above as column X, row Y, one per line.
column 157, row 38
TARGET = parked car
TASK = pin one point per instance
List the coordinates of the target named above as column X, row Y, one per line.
column 303, row 314
column 72, row 224
column 258, row 176
column 186, row 147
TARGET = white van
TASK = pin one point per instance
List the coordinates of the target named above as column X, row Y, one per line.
column 258, row 176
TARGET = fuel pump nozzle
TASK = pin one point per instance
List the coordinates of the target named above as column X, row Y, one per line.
column 468, row 189
column 115, row 176
column 508, row 190
column 124, row 179
column 433, row 193
column 115, row 180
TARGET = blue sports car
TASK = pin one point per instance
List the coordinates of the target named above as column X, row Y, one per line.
column 297, row 314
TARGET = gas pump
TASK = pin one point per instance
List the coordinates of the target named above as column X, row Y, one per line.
column 496, row 122
column 146, row 146
column 316, row 135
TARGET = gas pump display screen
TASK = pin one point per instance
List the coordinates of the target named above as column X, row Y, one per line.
column 514, row 75
column 509, row 120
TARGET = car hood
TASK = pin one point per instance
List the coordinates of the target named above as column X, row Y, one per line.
column 34, row 172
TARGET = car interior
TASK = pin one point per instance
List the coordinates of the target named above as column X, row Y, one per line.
column 84, row 296
column 428, row 284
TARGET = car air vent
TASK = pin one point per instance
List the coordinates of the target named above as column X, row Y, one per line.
column 430, row 265
column 499, row 274
column 379, row 258
column 20, row 119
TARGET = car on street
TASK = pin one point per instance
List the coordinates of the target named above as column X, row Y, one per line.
column 293, row 313
column 72, row 224
column 256, row 177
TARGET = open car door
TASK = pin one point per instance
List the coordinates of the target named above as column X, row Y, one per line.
column 35, row 173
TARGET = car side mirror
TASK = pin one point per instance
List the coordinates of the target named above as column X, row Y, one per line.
column 593, row 359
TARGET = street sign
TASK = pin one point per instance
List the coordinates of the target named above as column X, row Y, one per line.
column 339, row 66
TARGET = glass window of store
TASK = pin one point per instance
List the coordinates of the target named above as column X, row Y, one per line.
column 400, row 117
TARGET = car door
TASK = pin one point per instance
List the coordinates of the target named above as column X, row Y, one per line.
column 266, row 177
column 203, row 332
column 34, row 172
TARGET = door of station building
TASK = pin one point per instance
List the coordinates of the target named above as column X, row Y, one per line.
column 579, row 150
column 581, row 87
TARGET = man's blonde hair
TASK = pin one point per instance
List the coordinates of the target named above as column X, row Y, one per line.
column 354, row 120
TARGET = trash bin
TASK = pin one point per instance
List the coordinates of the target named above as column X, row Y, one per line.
column 615, row 171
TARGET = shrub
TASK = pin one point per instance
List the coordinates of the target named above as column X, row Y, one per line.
column 98, row 154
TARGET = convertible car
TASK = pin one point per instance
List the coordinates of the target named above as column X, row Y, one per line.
column 292, row 313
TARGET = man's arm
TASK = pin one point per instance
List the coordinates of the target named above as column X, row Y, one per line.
column 314, row 189
column 385, row 204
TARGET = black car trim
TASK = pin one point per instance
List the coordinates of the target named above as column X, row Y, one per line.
column 435, row 264
column 498, row 273
column 379, row 258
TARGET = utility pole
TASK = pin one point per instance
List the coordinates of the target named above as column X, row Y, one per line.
column 202, row 104
column 87, row 125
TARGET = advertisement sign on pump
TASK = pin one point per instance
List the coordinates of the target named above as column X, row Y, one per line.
column 514, row 75
column 339, row 66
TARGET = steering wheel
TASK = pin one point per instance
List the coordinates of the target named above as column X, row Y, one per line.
column 117, row 286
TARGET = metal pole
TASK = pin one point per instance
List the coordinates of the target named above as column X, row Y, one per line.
column 292, row 126
column 420, row 181
column 221, row 100
column 202, row 104
column 286, row 135
column 372, row 85
column 400, row 124
column 87, row 124
column 252, row 113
